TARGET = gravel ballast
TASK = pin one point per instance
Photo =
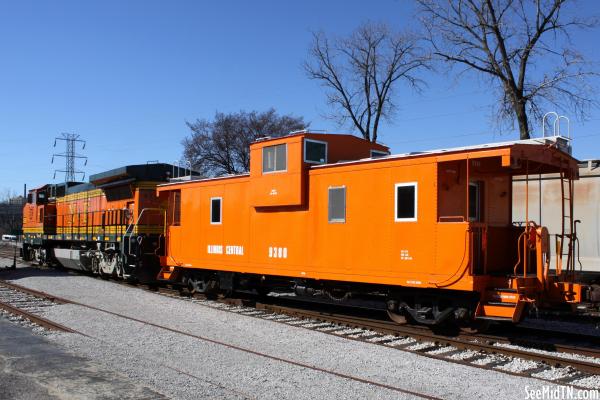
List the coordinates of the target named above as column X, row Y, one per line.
column 189, row 368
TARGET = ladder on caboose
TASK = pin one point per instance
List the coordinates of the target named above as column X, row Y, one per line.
column 567, row 229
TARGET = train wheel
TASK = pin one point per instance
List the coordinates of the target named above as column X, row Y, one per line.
column 102, row 274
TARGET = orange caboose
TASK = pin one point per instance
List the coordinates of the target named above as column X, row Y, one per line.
column 429, row 232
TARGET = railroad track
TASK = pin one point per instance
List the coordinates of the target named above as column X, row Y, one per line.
column 26, row 303
column 565, row 364
column 41, row 296
column 481, row 351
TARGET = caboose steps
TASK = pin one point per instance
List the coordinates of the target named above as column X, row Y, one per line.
column 165, row 273
column 510, row 312
column 501, row 304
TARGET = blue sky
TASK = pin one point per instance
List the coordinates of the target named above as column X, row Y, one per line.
column 127, row 75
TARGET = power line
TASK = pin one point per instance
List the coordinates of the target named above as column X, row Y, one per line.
column 70, row 156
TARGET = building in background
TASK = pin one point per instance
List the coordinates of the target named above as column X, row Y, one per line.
column 11, row 215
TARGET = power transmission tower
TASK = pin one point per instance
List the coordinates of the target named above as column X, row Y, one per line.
column 70, row 155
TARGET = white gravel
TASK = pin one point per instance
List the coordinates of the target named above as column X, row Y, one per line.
column 161, row 359
column 19, row 320
column 592, row 382
column 464, row 355
column 441, row 350
column 420, row 346
column 382, row 338
column 553, row 373
column 519, row 365
column 317, row 325
column 348, row 331
column 488, row 359
column 400, row 342
column 364, row 333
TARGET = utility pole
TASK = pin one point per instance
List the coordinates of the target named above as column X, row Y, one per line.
column 70, row 155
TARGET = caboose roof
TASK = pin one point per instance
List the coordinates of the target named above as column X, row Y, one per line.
column 555, row 141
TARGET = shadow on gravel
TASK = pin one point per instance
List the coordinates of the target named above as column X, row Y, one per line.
column 26, row 272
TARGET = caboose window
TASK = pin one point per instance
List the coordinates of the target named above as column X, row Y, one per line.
column 337, row 204
column 176, row 207
column 406, row 201
column 215, row 210
column 275, row 158
column 315, row 151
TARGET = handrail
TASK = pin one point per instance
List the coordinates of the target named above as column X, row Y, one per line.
column 556, row 124
column 130, row 228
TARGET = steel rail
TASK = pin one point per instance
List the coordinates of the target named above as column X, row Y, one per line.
column 475, row 342
column 466, row 342
column 36, row 319
column 238, row 348
column 34, row 292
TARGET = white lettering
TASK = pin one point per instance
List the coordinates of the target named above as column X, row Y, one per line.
column 561, row 392
column 234, row 250
column 278, row 252
column 215, row 249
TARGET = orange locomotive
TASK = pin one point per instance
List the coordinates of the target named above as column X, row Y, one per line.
column 111, row 226
column 429, row 232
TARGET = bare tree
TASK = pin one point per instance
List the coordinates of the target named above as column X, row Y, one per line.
column 360, row 73
column 522, row 46
column 221, row 146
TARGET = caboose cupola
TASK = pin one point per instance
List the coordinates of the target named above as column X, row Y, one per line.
column 279, row 167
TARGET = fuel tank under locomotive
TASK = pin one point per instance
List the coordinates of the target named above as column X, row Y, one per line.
column 135, row 258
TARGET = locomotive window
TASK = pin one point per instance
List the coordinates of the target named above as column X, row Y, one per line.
column 275, row 158
column 215, row 210
column 406, row 201
column 315, row 151
column 337, row 204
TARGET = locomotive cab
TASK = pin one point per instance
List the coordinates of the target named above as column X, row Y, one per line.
column 39, row 222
